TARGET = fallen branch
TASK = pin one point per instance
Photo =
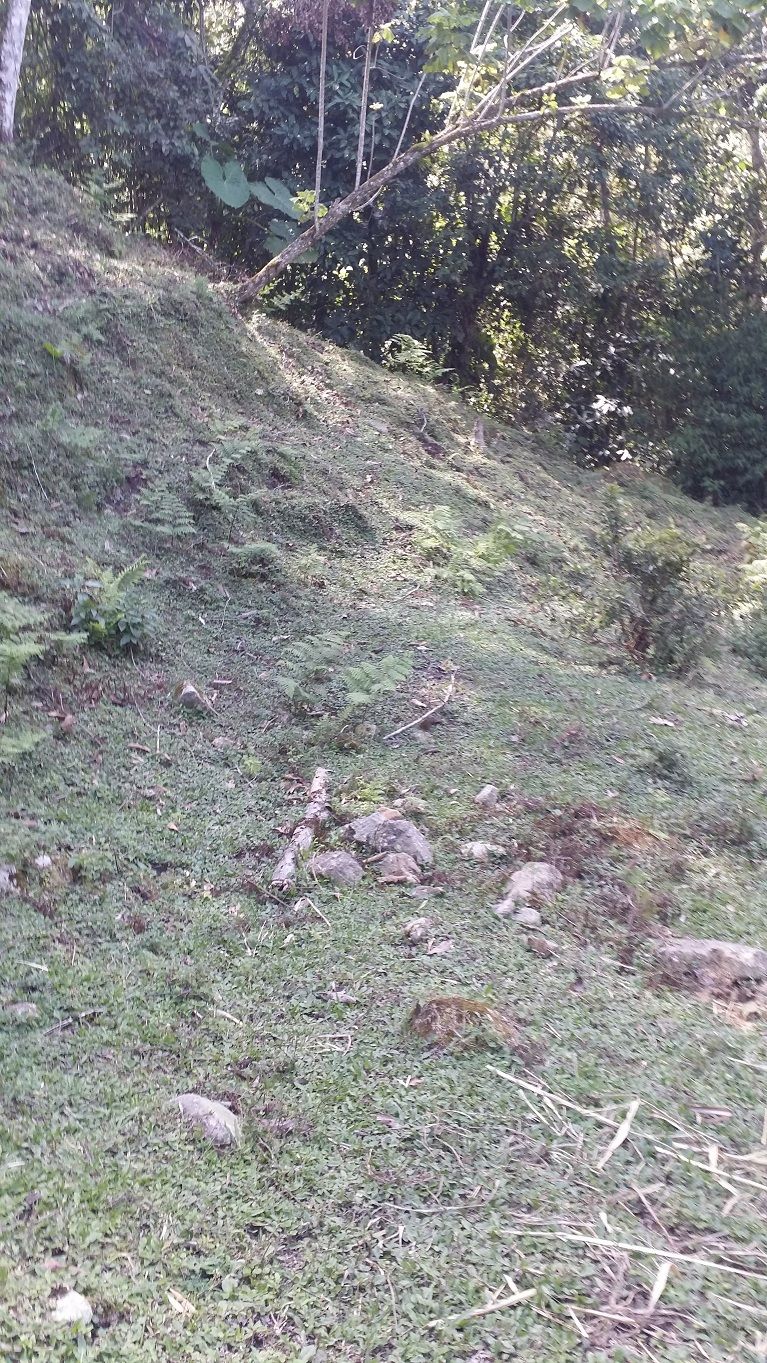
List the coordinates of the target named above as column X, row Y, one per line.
column 414, row 723
column 317, row 814
column 626, row 1247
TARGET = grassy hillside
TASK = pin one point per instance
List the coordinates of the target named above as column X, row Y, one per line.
column 379, row 1186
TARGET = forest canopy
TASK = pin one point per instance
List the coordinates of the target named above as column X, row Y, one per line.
column 558, row 207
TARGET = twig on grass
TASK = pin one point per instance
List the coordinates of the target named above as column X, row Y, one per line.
column 414, row 723
column 505, row 1304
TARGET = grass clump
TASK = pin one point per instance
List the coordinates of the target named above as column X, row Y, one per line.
column 259, row 559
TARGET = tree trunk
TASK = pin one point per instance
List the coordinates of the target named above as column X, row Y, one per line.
column 10, row 64
column 364, row 110
column 321, row 112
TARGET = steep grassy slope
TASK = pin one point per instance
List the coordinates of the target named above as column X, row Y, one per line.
column 378, row 1187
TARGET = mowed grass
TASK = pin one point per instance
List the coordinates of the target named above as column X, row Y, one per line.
column 380, row 1189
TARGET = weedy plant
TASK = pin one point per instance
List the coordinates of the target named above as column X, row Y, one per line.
column 664, row 618
column 108, row 608
column 464, row 565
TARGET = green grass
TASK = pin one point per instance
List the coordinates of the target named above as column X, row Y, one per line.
column 377, row 1184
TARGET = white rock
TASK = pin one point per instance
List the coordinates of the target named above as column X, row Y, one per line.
column 482, row 851
column 535, row 880
column 8, row 880
column 72, row 1309
column 488, row 797
column 417, row 930
column 710, row 963
column 43, row 862
column 216, row 1121
column 528, row 917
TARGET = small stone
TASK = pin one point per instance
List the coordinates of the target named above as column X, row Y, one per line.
column 339, row 867
column 411, row 804
column 446, row 947
column 337, row 995
column 187, row 694
column 711, row 964
column 528, row 917
column 398, row 868
column 72, row 1309
column 387, row 831
column 535, row 880
column 482, row 851
column 487, row 798
column 216, row 1121
column 417, row 930
column 540, row 946
column 43, row 862
column 223, row 744
column 24, row 1010
column 8, row 880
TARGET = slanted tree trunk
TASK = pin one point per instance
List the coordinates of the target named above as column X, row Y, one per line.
column 10, row 64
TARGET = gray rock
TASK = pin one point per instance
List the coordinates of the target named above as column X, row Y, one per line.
column 72, row 1309
column 710, row 963
column 24, row 1011
column 537, row 880
column 339, row 867
column 191, row 697
column 487, row 798
column 217, row 1122
column 528, row 917
column 398, row 868
column 417, row 930
column 387, row 831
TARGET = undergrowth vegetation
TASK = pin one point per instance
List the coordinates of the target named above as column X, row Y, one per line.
column 299, row 555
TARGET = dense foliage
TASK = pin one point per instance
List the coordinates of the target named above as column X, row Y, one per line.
column 605, row 272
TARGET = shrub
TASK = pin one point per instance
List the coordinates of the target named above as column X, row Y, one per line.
column 751, row 640
column 259, row 559
column 108, row 608
column 720, row 450
column 664, row 618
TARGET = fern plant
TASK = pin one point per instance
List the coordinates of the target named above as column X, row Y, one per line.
column 164, row 513
column 14, row 747
column 369, row 681
column 108, row 610
column 24, row 636
column 408, row 355
column 305, row 663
